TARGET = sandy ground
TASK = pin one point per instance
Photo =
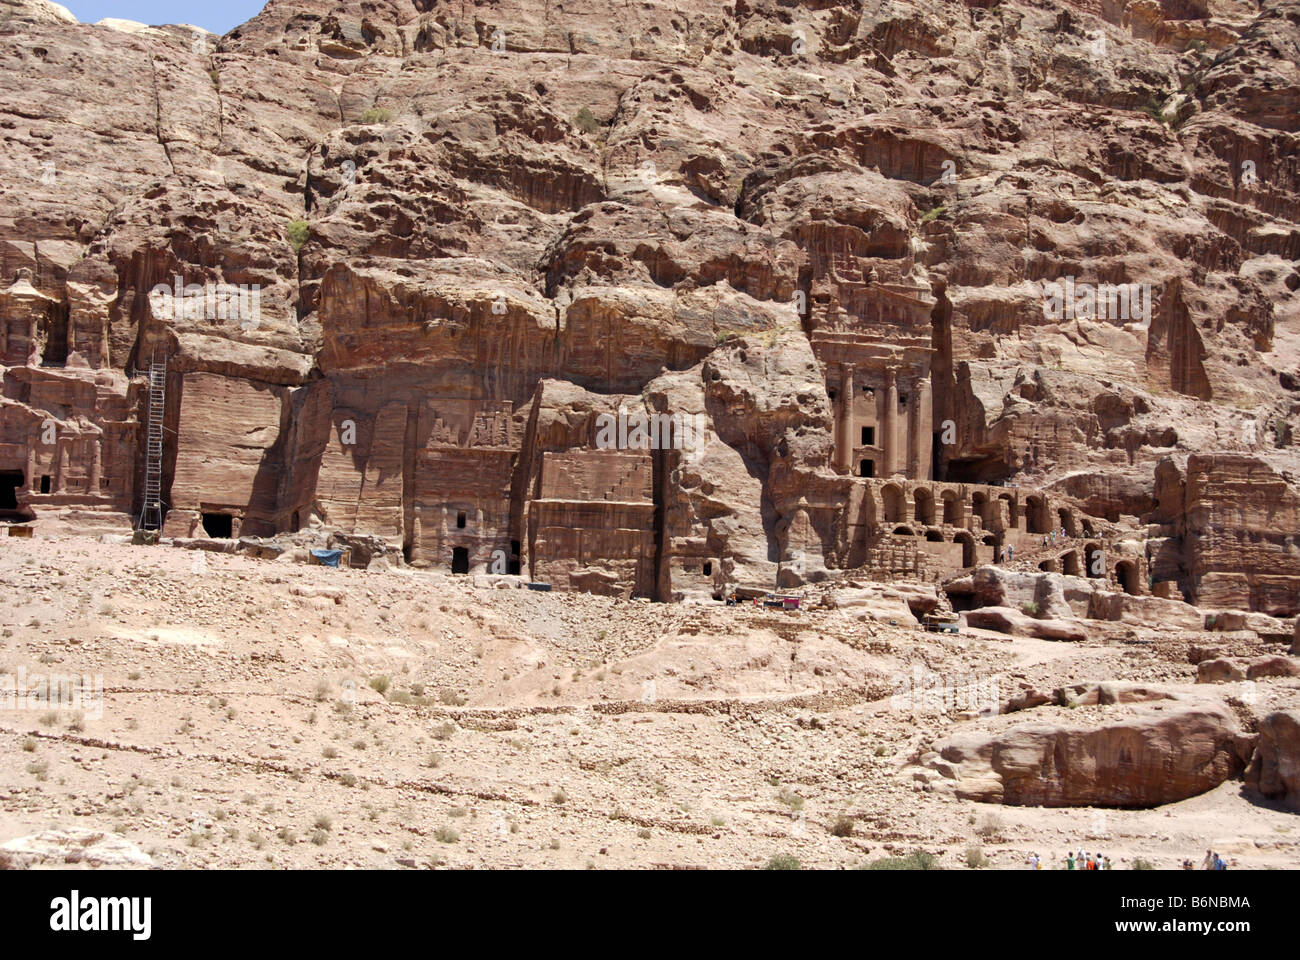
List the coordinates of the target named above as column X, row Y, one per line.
column 242, row 725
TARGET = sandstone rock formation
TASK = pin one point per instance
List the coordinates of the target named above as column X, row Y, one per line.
column 1145, row 759
column 1275, row 769
column 62, row 849
column 941, row 285
column 1007, row 620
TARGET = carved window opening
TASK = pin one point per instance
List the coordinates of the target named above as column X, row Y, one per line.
column 868, row 436
column 460, row 520
column 867, row 468
column 708, row 568
column 45, row 483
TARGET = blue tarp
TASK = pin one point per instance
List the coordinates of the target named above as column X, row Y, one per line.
column 328, row 557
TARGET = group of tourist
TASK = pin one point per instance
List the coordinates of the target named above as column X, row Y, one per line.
column 1075, row 861
column 1049, row 539
column 1086, row 861
column 1083, row 860
column 1212, row 861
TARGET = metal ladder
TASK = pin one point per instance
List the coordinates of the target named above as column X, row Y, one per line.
column 151, row 509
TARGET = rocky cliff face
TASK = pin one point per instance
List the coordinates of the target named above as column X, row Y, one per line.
column 401, row 259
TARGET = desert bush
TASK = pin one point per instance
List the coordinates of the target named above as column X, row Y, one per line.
column 783, row 861
column 297, row 231
column 916, row 860
column 586, row 121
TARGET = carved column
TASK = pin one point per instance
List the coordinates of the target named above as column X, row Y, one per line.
column 844, row 420
column 889, row 440
column 61, row 468
column 921, row 441
column 96, row 467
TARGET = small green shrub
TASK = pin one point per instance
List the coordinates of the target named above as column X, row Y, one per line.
column 298, row 231
column 783, row 861
column 916, row 860
column 586, row 121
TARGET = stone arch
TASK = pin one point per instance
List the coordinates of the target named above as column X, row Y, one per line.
column 934, row 535
column 1067, row 521
column 1070, row 564
column 1088, row 529
column 979, row 506
column 1036, row 515
column 967, row 541
column 894, row 504
column 1050, row 565
column 923, row 506
column 904, row 531
column 1094, row 560
column 951, row 508
column 1013, row 512
column 1126, row 574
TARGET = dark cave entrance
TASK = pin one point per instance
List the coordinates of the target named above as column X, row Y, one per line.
column 218, row 526
column 10, row 483
column 460, row 559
